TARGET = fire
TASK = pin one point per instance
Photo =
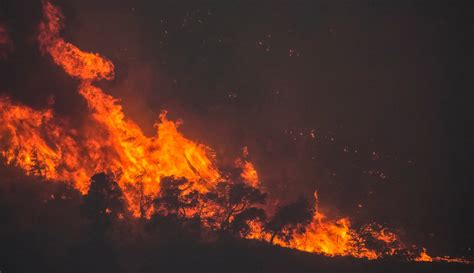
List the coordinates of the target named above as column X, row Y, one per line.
column 36, row 140
column 424, row 257
column 249, row 173
column 42, row 144
column 325, row 236
column 75, row 62
column 332, row 238
column 336, row 237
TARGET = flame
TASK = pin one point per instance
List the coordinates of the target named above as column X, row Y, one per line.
column 75, row 62
column 327, row 237
column 249, row 173
column 45, row 145
column 332, row 238
column 424, row 257
column 36, row 142
column 33, row 139
column 385, row 236
column 336, row 237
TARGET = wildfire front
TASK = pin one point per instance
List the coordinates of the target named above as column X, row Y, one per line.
column 107, row 194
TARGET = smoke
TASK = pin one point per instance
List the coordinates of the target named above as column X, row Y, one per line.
column 370, row 85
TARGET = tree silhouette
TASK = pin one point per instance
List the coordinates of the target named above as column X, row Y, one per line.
column 237, row 204
column 103, row 203
column 37, row 167
column 175, row 216
column 240, row 225
column 290, row 218
column 137, row 190
column 175, row 198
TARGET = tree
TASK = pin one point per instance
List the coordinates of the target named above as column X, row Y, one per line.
column 175, row 217
column 136, row 191
column 237, row 204
column 37, row 167
column 175, row 197
column 290, row 218
column 103, row 203
column 240, row 225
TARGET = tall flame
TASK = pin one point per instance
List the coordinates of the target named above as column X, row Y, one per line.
column 34, row 139
column 44, row 145
column 76, row 63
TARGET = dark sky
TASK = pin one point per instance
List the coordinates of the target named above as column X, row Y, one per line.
column 383, row 86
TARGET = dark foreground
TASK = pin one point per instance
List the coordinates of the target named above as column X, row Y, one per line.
column 42, row 231
column 18, row 256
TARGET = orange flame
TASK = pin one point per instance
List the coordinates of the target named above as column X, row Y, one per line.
column 337, row 238
column 110, row 143
column 34, row 141
column 76, row 63
column 249, row 173
column 327, row 237
column 42, row 144
column 425, row 257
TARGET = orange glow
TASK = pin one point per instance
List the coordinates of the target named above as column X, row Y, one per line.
column 249, row 173
column 34, row 141
column 143, row 161
column 77, row 63
column 44, row 145
column 385, row 236
column 328, row 237
column 110, row 142
column 336, row 237
column 332, row 238
column 424, row 257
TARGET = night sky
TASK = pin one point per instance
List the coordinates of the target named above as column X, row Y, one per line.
column 366, row 101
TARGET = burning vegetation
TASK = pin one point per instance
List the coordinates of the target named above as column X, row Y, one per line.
column 166, row 178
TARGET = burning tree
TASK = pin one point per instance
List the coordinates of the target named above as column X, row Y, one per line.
column 175, row 214
column 289, row 220
column 103, row 203
column 176, row 198
column 236, row 203
column 168, row 175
